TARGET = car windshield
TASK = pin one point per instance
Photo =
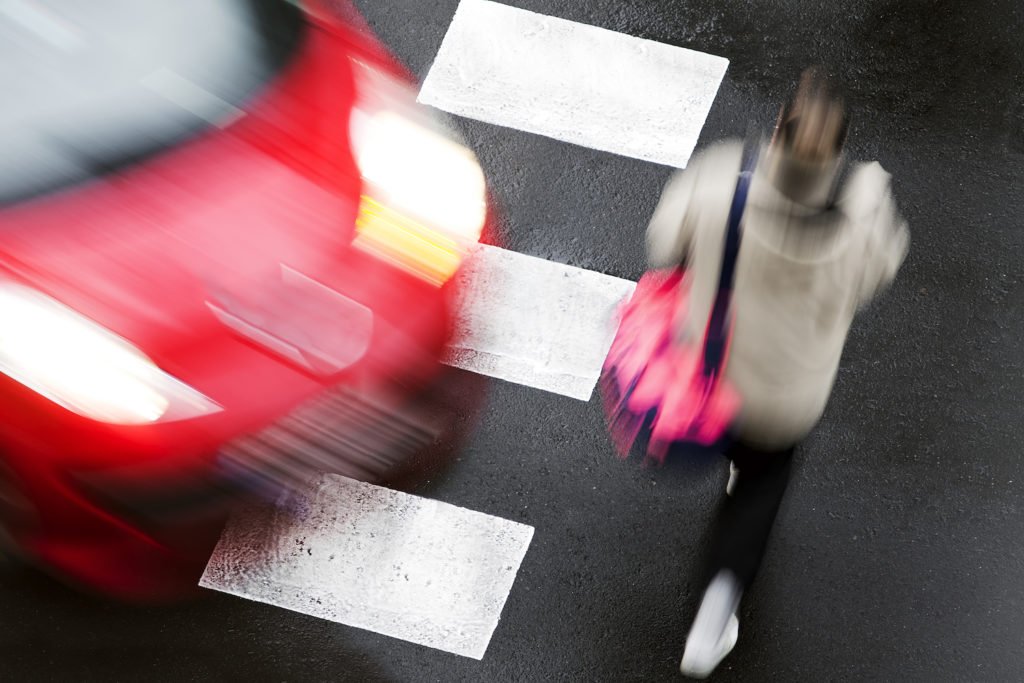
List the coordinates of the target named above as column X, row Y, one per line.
column 89, row 87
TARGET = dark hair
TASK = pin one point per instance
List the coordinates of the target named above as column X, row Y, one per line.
column 816, row 102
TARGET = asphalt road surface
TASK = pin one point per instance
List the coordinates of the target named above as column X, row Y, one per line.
column 896, row 554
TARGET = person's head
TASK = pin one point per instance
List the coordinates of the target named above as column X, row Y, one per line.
column 812, row 125
column 808, row 141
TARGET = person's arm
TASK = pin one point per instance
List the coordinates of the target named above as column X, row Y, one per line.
column 886, row 236
column 669, row 232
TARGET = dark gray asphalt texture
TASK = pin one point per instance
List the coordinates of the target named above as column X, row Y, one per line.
column 897, row 554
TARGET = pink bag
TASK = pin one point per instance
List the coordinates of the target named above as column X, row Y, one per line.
column 663, row 389
column 651, row 383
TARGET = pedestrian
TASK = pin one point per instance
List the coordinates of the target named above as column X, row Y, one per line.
column 816, row 244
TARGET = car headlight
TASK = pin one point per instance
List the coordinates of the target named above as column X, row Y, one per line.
column 84, row 367
column 425, row 199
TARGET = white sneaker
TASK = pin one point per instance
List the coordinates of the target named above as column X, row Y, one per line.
column 716, row 628
column 734, row 474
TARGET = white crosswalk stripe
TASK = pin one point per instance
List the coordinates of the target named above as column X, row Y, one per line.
column 366, row 556
column 573, row 82
column 535, row 322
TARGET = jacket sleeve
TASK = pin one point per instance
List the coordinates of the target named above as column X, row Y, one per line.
column 885, row 233
column 670, row 231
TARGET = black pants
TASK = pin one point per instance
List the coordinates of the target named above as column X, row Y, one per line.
column 744, row 521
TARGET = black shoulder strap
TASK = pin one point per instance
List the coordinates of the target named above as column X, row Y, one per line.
column 716, row 336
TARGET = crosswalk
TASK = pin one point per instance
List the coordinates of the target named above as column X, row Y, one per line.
column 366, row 556
column 573, row 82
column 534, row 322
column 421, row 570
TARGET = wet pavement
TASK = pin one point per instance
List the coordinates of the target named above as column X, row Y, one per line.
column 896, row 554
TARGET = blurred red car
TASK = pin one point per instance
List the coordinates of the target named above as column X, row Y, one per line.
column 226, row 238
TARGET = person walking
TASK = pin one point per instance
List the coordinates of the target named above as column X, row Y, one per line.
column 817, row 243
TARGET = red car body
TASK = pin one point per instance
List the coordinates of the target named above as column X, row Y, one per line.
column 245, row 221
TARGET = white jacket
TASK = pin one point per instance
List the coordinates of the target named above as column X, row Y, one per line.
column 802, row 272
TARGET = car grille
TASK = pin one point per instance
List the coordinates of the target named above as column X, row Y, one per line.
column 340, row 431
